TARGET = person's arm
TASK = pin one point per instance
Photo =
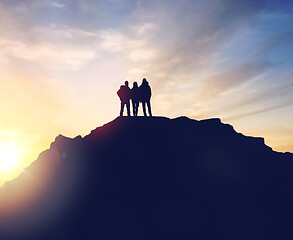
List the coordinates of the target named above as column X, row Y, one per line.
column 150, row 92
column 119, row 92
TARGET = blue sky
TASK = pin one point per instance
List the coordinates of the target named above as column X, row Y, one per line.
column 63, row 61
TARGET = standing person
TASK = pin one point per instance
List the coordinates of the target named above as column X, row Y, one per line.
column 124, row 95
column 145, row 94
column 135, row 98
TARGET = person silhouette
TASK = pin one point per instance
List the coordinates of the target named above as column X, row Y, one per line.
column 145, row 94
column 124, row 95
column 135, row 98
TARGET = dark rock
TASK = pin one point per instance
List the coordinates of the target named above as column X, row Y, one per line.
column 154, row 178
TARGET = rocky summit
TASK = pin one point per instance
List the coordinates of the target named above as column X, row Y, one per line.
column 153, row 178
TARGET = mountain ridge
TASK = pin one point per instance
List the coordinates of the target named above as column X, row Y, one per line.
column 183, row 118
column 159, row 178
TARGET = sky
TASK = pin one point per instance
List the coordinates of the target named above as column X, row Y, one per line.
column 62, row 62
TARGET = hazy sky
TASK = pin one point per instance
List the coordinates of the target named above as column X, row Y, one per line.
column 63, row 61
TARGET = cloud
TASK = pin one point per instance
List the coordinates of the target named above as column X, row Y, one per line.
column 192, row 37
column 45, row 54
column 134, row 72
column 226, row 79
column 177, row 40
column 108, row 41
column 184, row 42
column 258, row 110
column 57, row 5
column 267, row 93
column 62, row 47
column 145, row 29
column 248, row 102
column 117, row 42
column 142, row 54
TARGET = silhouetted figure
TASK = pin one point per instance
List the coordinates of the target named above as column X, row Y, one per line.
column 124, row 95
column 135, row 98
column 145, row 94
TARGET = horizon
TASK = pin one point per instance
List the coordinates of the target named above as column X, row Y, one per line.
column 63, row 61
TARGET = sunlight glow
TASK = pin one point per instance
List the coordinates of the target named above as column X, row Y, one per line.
column 8, row 156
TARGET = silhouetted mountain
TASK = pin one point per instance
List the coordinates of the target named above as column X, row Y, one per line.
column 153, row 178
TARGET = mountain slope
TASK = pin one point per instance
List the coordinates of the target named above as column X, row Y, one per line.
column 152, row 178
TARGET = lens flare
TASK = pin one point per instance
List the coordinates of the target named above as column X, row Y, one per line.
column 8, row 156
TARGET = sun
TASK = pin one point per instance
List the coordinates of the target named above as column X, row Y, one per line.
column 8, row 156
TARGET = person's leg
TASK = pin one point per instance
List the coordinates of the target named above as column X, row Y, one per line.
column 121, row 108
column 128, row 108
column 149, row 108
column 143, row 108
column 133, row 106
column 137, row 107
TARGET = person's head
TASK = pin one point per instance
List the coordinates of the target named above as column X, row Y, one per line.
column 135, row 84
column 126, row 83
column 144, row 82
